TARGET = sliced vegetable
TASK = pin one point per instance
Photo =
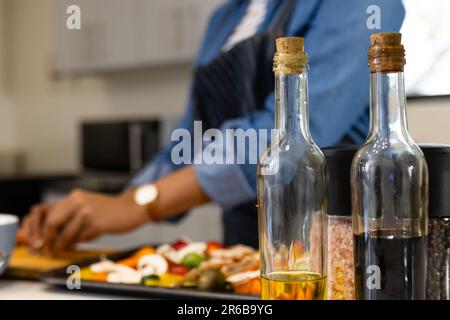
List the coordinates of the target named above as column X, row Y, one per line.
column 194, row 247
column 151, row 281
column 190, row 284
column 176, row 269
column 246, row 282
column 164, row 248
column 248, row 263
column 152, row 264
column 124, row 274
column 144, row 251
column 212, row 246
column 236, row 252
column 104, row 266
column 243, row 277
column 251, row 287
column 146, row 280
column 191, row 260
column 211, row 280
column 88, row 275
column 176, row 256
column 129, row 262
column 151, row 277
column 169, row 280
column 179, row 244
column 190, row 279
column 133, row 260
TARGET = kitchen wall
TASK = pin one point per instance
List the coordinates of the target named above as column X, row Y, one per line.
column 7, row 112
column 49, row 109
column 429, row 119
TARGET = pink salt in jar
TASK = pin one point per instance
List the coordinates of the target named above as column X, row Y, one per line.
column 341, row 284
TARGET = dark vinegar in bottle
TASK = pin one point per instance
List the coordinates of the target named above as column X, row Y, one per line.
column 389, row 270
column 389, row 179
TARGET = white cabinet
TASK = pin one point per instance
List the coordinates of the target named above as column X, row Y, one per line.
column 119, row 34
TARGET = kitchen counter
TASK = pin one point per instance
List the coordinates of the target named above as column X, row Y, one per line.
column 29, row 290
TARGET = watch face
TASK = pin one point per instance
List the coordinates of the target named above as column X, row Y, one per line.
column 146, row 194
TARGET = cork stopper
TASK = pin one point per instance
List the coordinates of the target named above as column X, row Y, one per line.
column 386, row 52
column 290, row 45
column 290, row 56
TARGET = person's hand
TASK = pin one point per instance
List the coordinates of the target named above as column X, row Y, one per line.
column 79, row 217
column 32, row 226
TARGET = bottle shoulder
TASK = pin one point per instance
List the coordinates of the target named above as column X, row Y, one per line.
column 384, row 150
column 296, row 156
column 293, row 152
column 387, row 157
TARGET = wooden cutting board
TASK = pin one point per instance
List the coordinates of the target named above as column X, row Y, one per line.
column 24, row 265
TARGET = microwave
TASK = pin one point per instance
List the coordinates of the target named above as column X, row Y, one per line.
column 118, row 146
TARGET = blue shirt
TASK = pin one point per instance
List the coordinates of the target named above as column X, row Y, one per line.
column 336, row 39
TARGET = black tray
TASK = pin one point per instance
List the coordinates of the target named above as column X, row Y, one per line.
column 58, row 278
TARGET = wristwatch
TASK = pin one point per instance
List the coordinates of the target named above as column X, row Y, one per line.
column 147, row 196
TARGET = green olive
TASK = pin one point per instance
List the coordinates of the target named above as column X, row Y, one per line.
column 192, row 260
column 211, row 280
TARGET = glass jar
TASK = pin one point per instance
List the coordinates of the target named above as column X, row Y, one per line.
column 438, row 264
column 341, row 274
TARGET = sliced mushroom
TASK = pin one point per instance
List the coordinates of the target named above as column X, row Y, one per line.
column 104, row 266
column 176, row 256
column 249, row 263
column 124, row 274
column 236, row 252
column 242, row 277
column 152, row 264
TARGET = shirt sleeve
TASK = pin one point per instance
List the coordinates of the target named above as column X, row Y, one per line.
column 336, row 40
column 233, row 184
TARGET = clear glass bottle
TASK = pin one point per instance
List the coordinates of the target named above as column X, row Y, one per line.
column 292, row 188
column 389, row 181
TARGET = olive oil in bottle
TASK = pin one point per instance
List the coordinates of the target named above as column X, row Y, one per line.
column 292, row 184
column 294, row 285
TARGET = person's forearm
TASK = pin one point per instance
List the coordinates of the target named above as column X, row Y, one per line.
column 177, row 192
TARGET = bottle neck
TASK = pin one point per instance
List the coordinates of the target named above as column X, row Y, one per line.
column 291, row 110
column 388, row 106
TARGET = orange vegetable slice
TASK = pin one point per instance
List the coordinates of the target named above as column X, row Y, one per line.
column 251, row 287
column 133, row 260
column 143, row 252
column 88, row 275
column 129, row 262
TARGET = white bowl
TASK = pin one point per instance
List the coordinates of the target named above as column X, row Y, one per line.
column 8, row 229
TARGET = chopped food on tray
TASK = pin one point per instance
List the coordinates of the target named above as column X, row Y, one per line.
column 201, row 265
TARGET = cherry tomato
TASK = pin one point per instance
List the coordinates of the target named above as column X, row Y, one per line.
column 176, row 269
column 213, row 245
column 177, row 245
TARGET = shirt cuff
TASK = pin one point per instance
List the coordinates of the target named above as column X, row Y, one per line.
column 224, row 183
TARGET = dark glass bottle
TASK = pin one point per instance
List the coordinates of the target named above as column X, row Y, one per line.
column 389, row 181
